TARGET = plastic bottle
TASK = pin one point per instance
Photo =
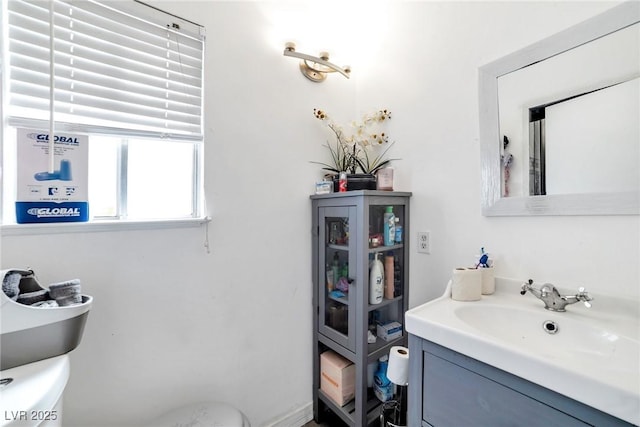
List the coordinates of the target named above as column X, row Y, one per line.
column 335, row 267
column 388, row 276
column 382, row 386
column 389, row 226
column 345, row 270
column 398, row 235
column 376, row 281
column 342, row 182
column 330, row 279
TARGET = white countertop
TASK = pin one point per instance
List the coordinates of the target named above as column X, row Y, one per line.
column 594, row 358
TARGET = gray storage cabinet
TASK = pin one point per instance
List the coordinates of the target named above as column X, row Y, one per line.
column 345, row 227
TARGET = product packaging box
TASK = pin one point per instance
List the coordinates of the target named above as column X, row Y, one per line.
column 389, row 331
column 57, row 194
column 337, row 377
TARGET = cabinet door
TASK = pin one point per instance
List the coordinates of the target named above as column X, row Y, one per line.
column 336, row 274
column 389, row 309
column 457, row 397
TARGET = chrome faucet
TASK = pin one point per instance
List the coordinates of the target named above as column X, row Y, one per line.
column 551, row 297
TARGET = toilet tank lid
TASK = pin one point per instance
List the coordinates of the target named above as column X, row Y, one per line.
column 203, row 414
column 35, row 386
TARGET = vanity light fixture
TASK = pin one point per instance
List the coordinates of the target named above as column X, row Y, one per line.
column 313, row 67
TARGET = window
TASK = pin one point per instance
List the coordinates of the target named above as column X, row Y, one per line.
column 125, row 75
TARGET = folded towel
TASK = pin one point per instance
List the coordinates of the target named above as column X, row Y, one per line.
column 65, row 289
column 29, row 298
column 11, row 285
column 69, row 300
column 45, row 304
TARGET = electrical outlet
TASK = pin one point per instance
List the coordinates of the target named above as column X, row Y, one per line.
column 424, row 242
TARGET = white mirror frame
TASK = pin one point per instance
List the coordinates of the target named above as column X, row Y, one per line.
column 493, row 204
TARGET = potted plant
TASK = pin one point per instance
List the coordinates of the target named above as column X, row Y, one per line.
column 357, row 153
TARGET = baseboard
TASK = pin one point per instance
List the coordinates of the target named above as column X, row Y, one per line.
column 297, row 418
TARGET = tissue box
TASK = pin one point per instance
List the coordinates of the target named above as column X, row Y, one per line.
column 337, row 377
column 390, row 331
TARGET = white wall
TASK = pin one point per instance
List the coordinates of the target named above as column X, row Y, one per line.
column 431, row 77
column 172, row 323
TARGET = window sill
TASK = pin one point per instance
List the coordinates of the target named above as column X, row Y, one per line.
column 99, row 226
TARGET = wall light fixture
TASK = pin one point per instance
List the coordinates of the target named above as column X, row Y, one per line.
column 313, row 67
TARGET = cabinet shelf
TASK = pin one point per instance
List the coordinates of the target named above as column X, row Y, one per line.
column 385, row 248
column 342, row 300
column 382, row 347
column 374, row 350
column 347, row 412
column 371, row 307
column 338, row 247
column 371, row 250
column 384, row 303
column 331, row 344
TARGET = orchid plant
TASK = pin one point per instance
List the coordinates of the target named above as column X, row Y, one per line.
column 357, row 150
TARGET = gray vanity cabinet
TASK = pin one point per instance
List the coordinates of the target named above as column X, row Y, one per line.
column 451, row 389
column 346, row 231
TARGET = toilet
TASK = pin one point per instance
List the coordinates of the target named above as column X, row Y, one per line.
column 204, row 414
column 31, row 394
column 34, row 365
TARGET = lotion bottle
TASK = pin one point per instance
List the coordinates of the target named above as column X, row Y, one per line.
column 376, row 281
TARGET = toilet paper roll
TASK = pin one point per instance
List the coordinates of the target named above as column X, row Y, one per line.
column 398, row 368
column 488, row 281
column 466, row 284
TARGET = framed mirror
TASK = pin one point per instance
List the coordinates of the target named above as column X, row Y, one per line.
column 559, row 122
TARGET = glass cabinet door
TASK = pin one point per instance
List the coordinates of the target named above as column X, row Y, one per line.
column 337, row 266
column 386, row 302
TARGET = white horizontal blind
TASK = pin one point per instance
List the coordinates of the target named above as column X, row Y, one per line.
column 118, row 65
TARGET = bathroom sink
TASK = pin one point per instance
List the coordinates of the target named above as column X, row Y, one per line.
column 554, row 335
column 589, row 354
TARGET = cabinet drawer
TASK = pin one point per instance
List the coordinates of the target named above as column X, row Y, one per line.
column 457, row 397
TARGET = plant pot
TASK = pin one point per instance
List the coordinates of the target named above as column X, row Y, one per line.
column 357, row 181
